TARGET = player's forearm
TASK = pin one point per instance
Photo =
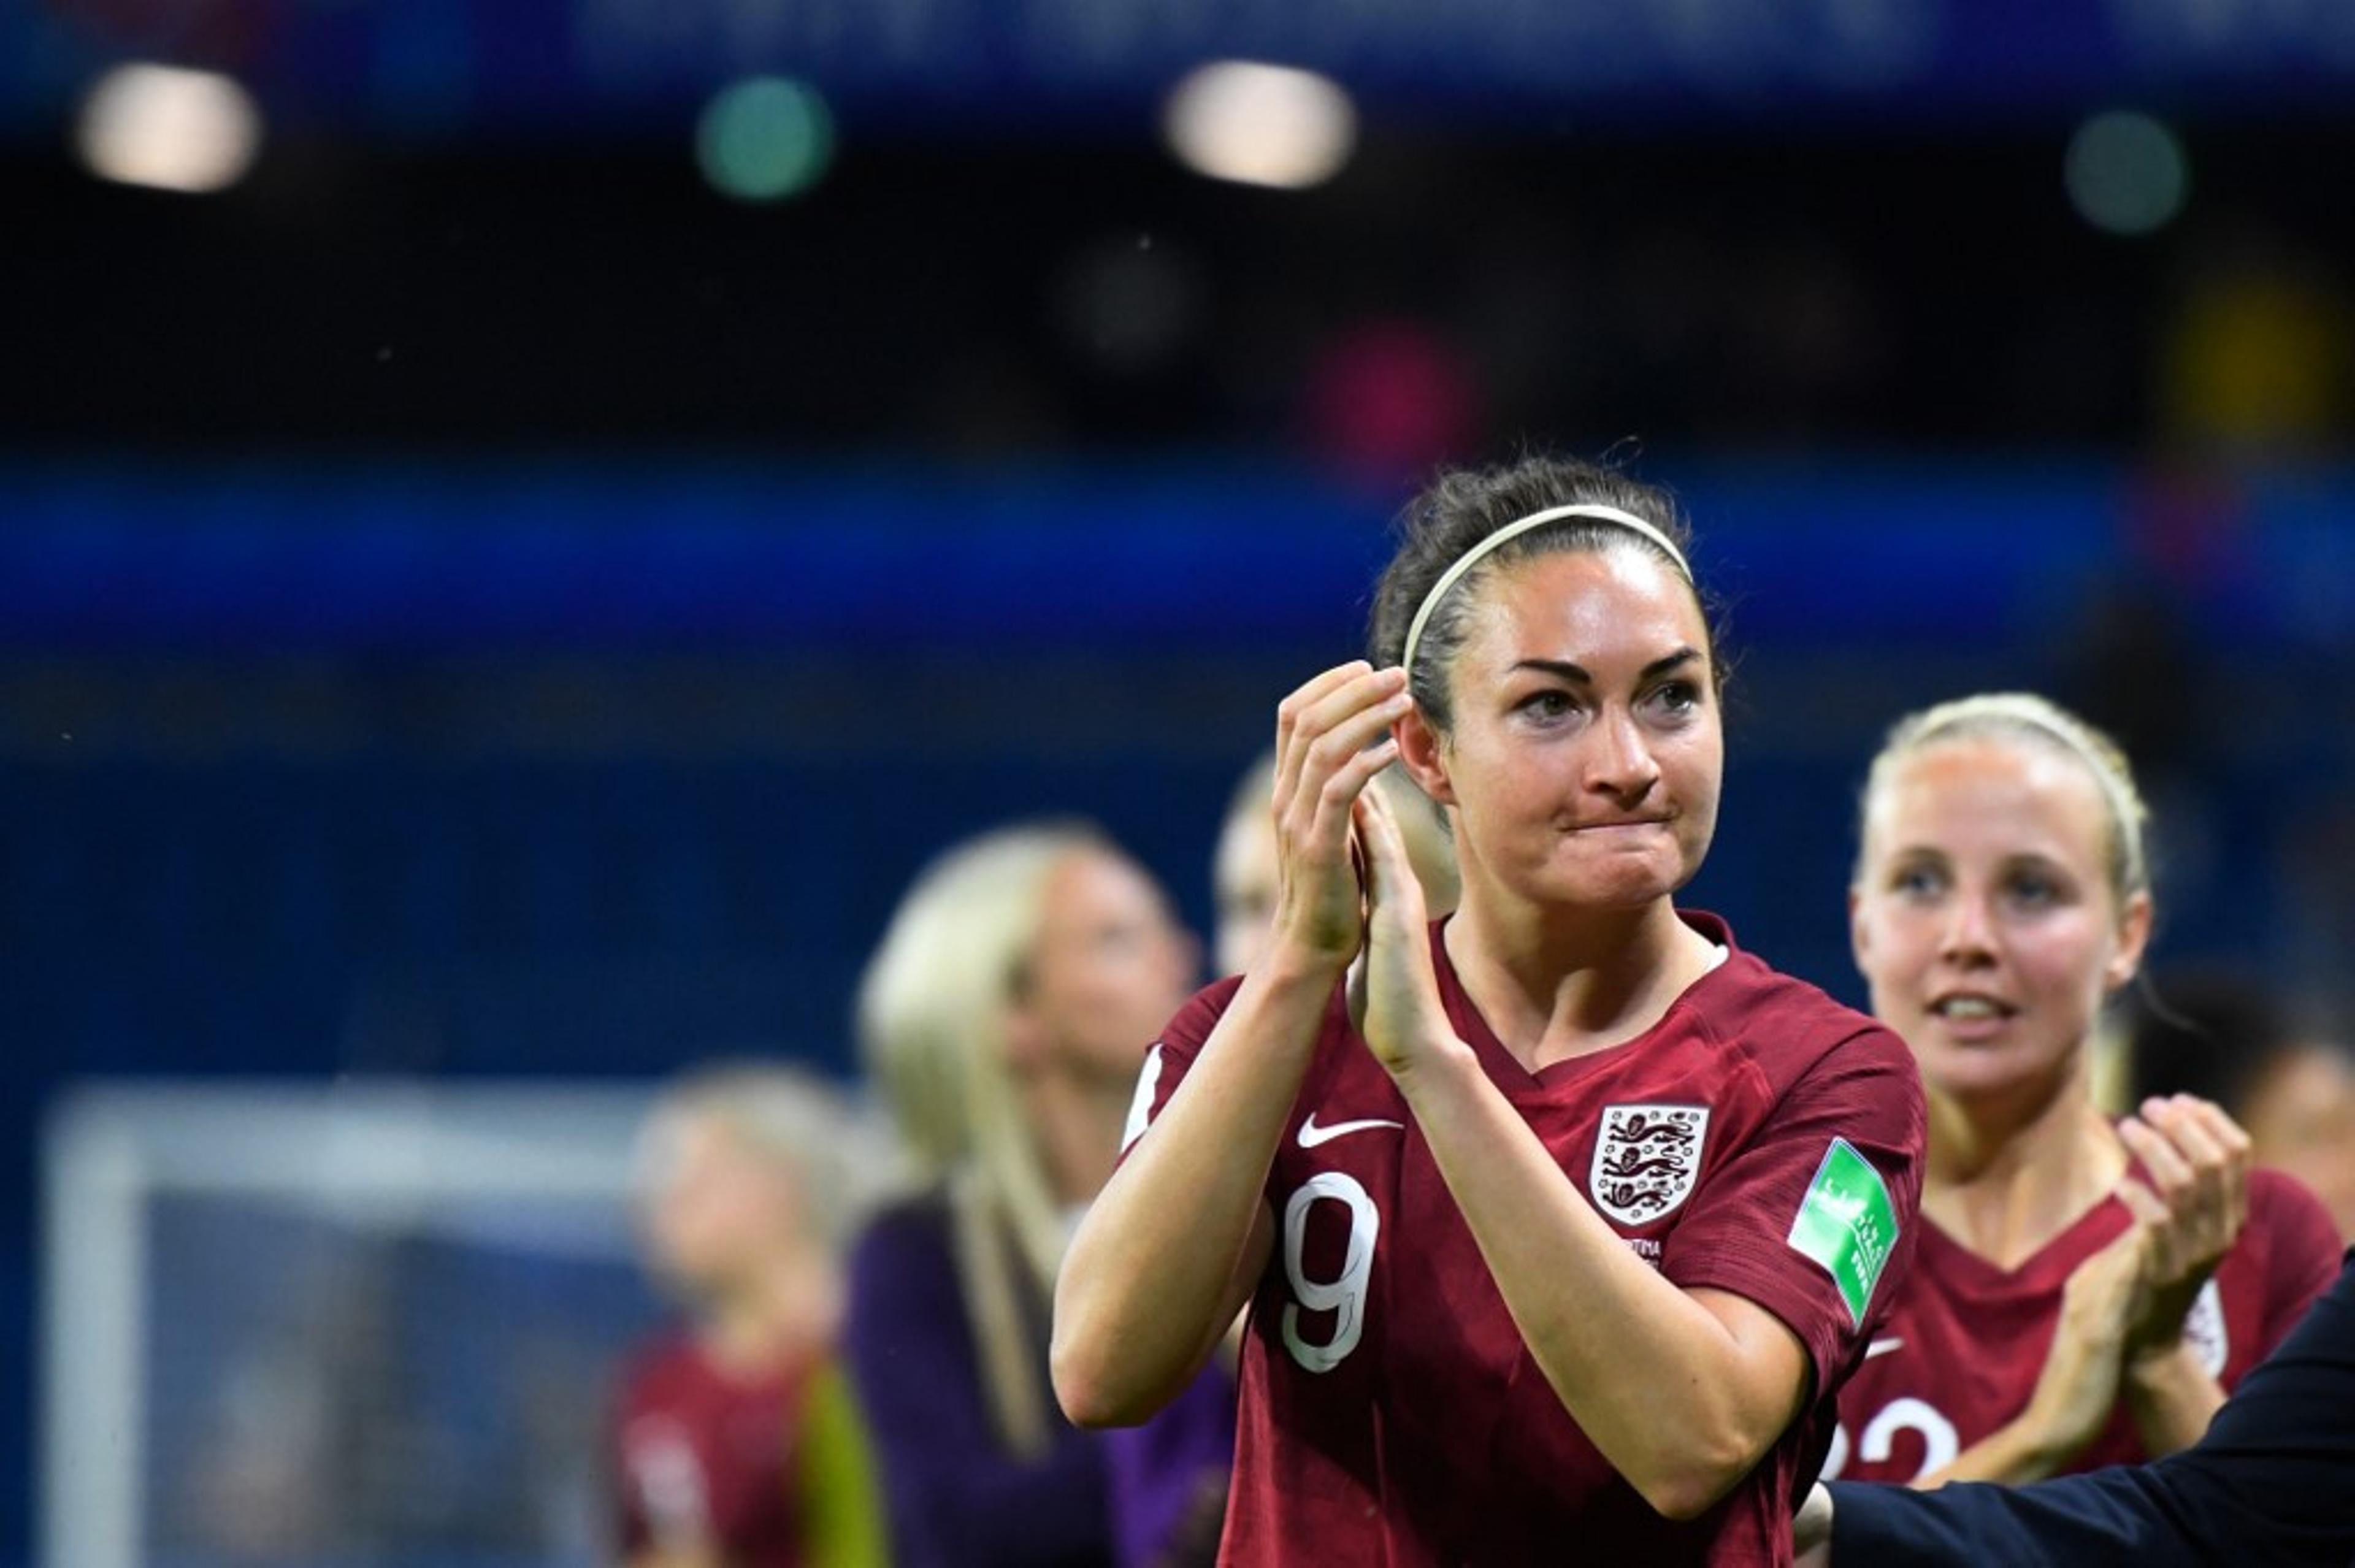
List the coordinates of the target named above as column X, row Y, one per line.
column 1155, row 1272
column 2172, row 1397
column 2022, row 1450
column 1655, row 1380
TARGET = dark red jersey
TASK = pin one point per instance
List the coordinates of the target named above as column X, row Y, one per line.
column 1966, row 1341
column 706, row 1460
column 1760, row 1139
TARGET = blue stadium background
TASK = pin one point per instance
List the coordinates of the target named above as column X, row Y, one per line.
column 474, row 603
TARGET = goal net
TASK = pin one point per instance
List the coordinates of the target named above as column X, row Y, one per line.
column 335, row 1327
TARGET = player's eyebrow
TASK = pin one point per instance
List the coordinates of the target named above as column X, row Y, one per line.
column 1579, row 675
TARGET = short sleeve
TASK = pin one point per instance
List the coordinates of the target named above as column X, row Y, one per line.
column 1172, row 1056
column 1814, row 1218
column 2304, row 1252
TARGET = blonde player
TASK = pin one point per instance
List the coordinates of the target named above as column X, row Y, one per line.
column 737, row 1444
column 1003, row 1018
column 2084, row 1293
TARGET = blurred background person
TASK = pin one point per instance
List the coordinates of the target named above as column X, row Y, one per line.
column 2084, row 1294
column 738, row 1444
column 1243, row 869
column 2224, row 1038
column 2299, row 1108
column 1003, row 1018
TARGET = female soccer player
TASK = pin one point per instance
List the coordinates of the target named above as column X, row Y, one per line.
column 1003, row 1018
column 1561, row 1227
column 736, row 1444
column 2084, row 1293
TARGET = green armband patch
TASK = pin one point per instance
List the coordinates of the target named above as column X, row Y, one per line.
column 1846, row 1224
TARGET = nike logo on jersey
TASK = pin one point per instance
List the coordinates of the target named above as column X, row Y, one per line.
column 1311, row 1135
column 1882, row 1347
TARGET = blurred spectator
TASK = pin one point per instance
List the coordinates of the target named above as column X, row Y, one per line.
column 2228, row 1040
column 1242, row 873
column 2299, row 1108
column 1390, row 398
column 2258, row 359
column 738, row 1444
column 1005, row 1017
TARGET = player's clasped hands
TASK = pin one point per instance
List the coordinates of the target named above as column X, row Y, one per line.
column 2193, row 1209
column 1398, row 1013
column 2131, row 1298
column 1330, row 742
column 2079, row 1385
column 1346, row 885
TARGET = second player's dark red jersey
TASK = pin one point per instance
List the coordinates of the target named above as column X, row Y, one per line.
column 1965, row 1340
column 708, row 1460
column 1391, row 1413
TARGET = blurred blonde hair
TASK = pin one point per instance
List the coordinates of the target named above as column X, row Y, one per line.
column 933, row 1011
column 787, row 1115
column 2020, row 715
column 1421, row 821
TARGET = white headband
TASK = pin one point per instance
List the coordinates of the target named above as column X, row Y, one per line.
column 2028, row 712
column 1512, row 531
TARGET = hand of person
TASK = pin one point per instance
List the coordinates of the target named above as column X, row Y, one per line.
column 1811, row 1530
column 2197, row 1200
column 1325, row 753
column 1394, row 992
column 2079, row 1385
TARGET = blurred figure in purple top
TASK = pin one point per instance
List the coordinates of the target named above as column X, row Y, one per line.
column 1004, row 1019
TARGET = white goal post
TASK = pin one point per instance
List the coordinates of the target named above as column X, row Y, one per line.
column 195, row 1234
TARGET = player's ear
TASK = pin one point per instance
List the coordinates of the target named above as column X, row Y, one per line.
column 1423, row 753
column 1859, row 941
column 2134, row 936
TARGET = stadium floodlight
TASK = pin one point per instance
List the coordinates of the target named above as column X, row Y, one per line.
column 764, row 139
column 168, row 128
column 2127, row 173
column 1261, row 124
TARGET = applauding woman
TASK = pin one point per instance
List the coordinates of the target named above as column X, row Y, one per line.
column 2085, row 1294
column 1560, row 1224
